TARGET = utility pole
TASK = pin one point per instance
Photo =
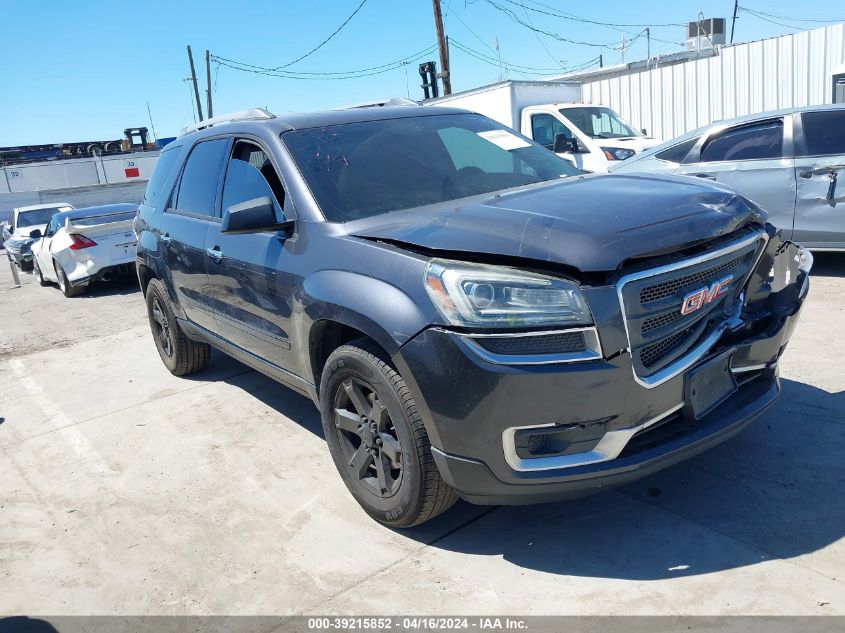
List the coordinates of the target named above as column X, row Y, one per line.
column 601, row 60
column 194, row 81
column 208, row 82
column 648, row 41
column 733, row 20
column 444, row 49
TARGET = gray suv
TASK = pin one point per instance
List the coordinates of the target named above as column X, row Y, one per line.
column 472, row 315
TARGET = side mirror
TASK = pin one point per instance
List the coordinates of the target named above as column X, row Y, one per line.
column 644, row 131
column 252, row 216
column 563, row 145
column 35, row 235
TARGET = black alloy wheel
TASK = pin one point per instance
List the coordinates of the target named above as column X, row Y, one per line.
column 377, row 438
column 162, row 328
column 179, row 354
column 368, row 437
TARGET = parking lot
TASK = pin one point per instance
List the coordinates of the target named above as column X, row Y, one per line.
column 125, row 490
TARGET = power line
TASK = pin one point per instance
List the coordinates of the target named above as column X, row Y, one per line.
column 345, row 74
column 760, row 16
column 569, row 16
column 458, row 17
column 495, row 60
column 518, row 68
column 537, row 35
column 791, row 18
column 325, row 41
column 513, row 16
column 339, row 72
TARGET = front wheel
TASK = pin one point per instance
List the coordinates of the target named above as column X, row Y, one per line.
column 377, row 439
column 179, row 354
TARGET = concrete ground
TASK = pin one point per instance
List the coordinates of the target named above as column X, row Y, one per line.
column 125, row 490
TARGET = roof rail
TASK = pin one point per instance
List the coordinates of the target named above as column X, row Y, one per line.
column 393, row 101
column 253, row 114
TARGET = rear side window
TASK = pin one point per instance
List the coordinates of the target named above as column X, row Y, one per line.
column 164, row 165
column 824, row 132
column 757, row 141
column 198, row 186
column 677, row 153
column 52, row 227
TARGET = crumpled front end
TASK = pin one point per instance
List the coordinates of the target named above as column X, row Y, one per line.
column 20, row 249
column 683, row 354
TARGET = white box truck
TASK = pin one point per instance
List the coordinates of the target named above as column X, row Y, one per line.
column 550, row 113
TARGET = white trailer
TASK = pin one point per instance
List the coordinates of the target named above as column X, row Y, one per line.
column 552, row 114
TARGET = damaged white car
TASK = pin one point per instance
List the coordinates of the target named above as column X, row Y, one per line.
column 82, row 246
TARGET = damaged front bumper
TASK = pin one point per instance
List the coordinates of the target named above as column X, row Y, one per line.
column 529, row 433
column 20, row 251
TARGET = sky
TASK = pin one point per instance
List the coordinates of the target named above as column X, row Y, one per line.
column 85, row 70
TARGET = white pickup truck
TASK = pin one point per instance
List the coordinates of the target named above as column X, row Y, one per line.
column 549, row 112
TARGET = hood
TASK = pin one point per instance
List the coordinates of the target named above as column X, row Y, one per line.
column 22, row 233
column 590, row 223
column 636, row 143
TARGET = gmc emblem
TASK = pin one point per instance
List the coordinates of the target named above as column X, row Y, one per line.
column 700, row 298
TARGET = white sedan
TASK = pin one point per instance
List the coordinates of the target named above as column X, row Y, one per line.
column 81, row 246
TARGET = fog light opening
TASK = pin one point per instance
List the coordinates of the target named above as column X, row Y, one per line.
column 536, row 444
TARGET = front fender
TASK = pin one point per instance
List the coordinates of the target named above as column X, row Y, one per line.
column 382, row 311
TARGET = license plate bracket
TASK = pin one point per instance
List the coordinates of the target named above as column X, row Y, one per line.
column 709, row 385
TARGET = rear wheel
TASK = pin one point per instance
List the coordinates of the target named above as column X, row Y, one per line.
column 65, row 286
column 179, row 354
column 38, row 273
column 377, row 439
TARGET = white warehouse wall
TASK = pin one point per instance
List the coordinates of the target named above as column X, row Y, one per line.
column 75, row 172
column 783, row 72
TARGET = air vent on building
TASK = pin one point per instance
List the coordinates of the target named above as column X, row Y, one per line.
column 705, row 34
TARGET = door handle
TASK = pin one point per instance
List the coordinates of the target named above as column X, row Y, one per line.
column 831, row 189
column 215, row 254
column 705, row 176
column 821, row 171
column 165, row 239
column 832, row 173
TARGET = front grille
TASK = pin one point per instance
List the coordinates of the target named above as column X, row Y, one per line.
column 670, row 288
column 558, row 343
column 652, row 298
column 652, row 354
column 655, row 323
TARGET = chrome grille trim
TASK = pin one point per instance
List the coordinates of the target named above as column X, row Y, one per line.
column 696, row 353
column 608, row 448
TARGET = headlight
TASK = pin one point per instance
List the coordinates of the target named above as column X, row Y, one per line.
column 496, row 296
column 617, row 153
column 21, row 244
column 805, row 260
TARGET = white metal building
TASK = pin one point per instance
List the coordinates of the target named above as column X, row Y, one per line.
column 673, row 94
column 76, row 172
column 83, row 182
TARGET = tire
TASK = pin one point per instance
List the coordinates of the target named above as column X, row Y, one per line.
column 26, row 266
column 180, row 355
column 65, row 286
column 38, row 273
column 379, row 445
